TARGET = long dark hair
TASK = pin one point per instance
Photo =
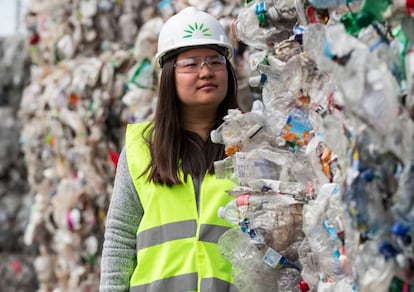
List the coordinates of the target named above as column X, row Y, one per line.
column 171, row 147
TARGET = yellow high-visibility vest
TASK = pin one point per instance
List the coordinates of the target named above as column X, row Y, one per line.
column 176, row 241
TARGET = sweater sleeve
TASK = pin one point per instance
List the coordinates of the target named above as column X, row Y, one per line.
column 123, row 218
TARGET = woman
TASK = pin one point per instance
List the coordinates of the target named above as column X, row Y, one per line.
column 162, row 226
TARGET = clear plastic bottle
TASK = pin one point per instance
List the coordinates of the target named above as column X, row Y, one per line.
column 371, row 270
column 225, row 169
column 368, row 86
column 409, row 76
column 228, row 243
column 166, row 9
column 261, row 211
column 399, row 8
column 266, row 163
column 282, row 14
column 246, row 28
column 141, row 75
column 243, row 131
column 241, row 207
column 250, row 272
column 329, row 3
column 403, row 209
column 260, row 25
column 255, row 268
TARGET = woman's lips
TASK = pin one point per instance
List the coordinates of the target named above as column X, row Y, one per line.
column 208, row 85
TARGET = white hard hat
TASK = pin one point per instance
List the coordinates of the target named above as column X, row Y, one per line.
column 191, row 27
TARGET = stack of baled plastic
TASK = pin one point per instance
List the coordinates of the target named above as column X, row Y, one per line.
column 322, row 164
column 16, row 269
column 91, row 74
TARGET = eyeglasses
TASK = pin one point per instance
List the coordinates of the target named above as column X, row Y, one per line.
column 194, row 65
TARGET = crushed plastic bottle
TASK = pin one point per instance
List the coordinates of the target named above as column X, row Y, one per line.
column 329, row 3
column 403, row 209
column 243, row 131
column 254, row 265
column 324, row 163
column 229, row 241
column 372, row 271
column 325, row 235
column 274, row 219
column 244, row 205
column 260, row 27
column 409, row 74
column 262, row 163
column 399, row 9
column 225, row 169
column 369, row 89
column 371, row 11
column 246, row 28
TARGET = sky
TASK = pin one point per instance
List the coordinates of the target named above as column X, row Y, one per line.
column 8, row 16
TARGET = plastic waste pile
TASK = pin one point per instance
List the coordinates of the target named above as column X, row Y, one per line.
column 16, row 269
column 322, row 165
column 91, row 74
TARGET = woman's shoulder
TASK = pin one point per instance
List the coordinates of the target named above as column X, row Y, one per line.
column 137, row 129
column 141, row 126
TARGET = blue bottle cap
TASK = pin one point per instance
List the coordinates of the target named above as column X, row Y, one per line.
column 399, row 229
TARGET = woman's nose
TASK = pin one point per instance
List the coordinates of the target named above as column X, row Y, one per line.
column 205, row 69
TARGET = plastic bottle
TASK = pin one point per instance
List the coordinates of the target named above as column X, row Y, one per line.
column 240, row 208
column 243, row 131
column 403, row 209
column 329, row 3
column 250, row 272
column 141, row 75
column 274, row 259
column 398, row 285
column 409, row 76
column 370, row 12
column 256, row 268
column 403, row 237
column 277, row 102
column 400, row 8
column 225, row 169
column 369, row 89
column 372, row 271
column 259, row 217
column 165, row 8
column 228, row 243
column 282, row 14
column 246, row 28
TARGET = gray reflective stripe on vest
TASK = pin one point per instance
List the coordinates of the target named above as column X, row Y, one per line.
column 185, row 283
column 180, row 283
column 217, row 285
column 211, row 233
column 178, row 230
column 166, row 232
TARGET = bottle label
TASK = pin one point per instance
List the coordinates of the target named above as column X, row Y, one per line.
column 272, row 258
column 296, row 130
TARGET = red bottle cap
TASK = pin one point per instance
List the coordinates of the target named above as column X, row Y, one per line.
column 303, row 286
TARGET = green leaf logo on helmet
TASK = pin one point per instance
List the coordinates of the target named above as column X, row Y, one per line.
column 192, row 29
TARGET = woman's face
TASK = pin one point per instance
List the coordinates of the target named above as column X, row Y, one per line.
column 197, row 84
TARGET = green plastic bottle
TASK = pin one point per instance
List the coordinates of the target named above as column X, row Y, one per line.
column 371, row 11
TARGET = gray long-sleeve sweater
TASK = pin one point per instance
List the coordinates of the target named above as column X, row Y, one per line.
column 123, row 218
column 124, row 215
